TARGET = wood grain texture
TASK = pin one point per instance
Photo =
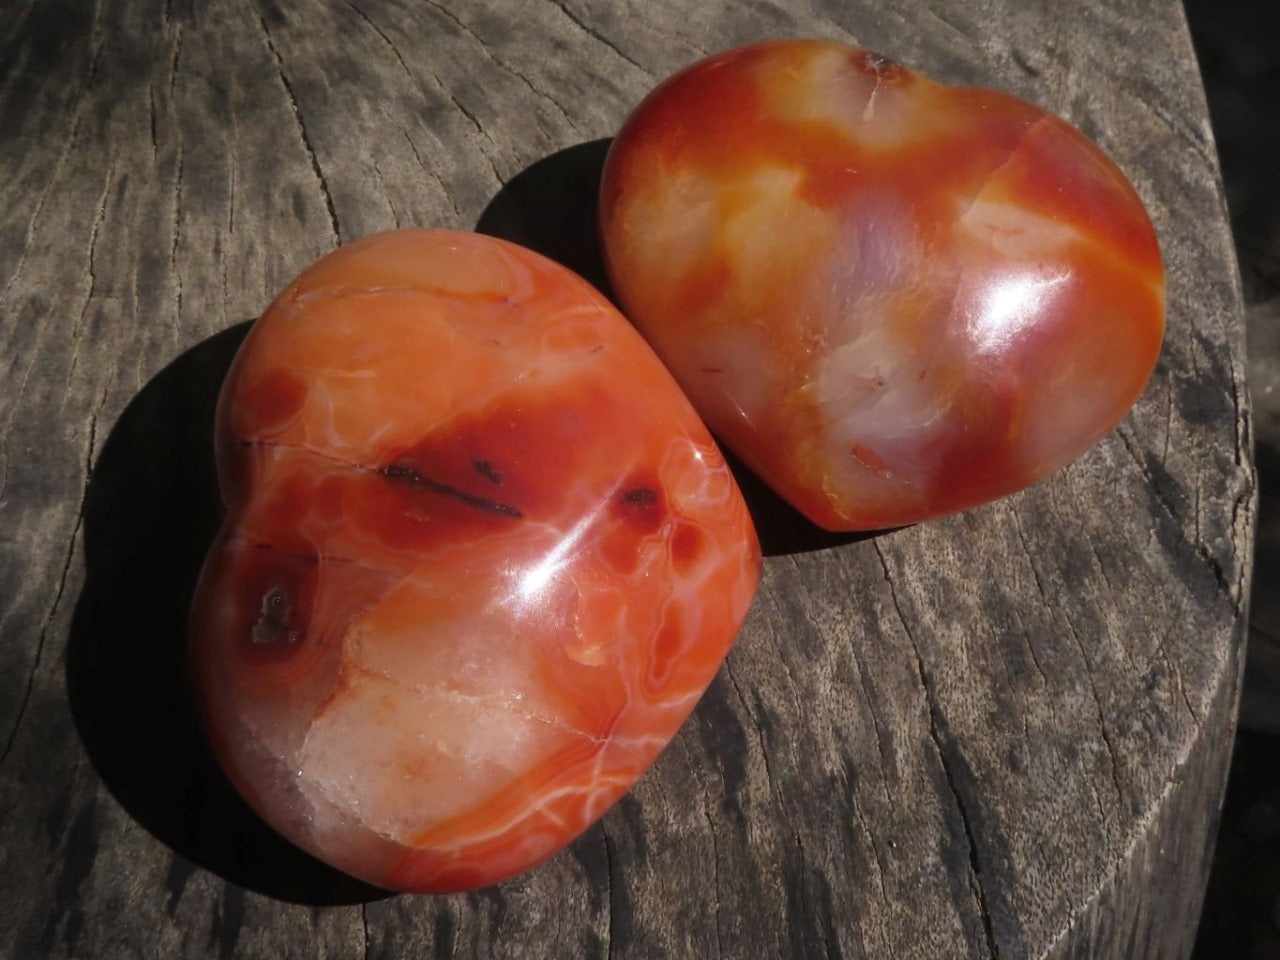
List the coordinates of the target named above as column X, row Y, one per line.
column 1001, row 734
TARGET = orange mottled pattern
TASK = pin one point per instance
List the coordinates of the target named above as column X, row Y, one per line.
column 892, row 298
column 480, row 560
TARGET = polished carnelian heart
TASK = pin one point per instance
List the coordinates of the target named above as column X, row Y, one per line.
column 480, row 560
column 893, row 299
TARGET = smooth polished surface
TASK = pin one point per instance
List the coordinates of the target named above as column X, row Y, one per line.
column 480, row 561
column 894, row 299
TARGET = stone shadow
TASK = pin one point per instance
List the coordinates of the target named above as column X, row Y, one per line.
column 151, row 512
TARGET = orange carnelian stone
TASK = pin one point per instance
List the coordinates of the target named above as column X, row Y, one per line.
column 480, row 560
column 893, row 299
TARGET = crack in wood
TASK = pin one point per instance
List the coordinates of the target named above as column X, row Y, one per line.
column 302, row 133
column 412, row 146
column 1139, row 836
column 417, row 83
column 1244, row 438
column 151, row 111
column 675, row 39
column 78, row 323
column 444, row 189
column 856, row 809
column 63, row 576
column 177, row 57
column 1103, row 729
column 611, row 878
column 1152, row 105
column 944, row 750
column 1174, row 672
column 68, row 148
column 96, row 43
column 798, row 887
column 444, row 88
column 386, row 195
column 1168, row 423
column 487, row 51
column 879, row 864
column 1053, row 608
column 1027, row 635
column 1225, row 587
column 940, row 17
column 598, row 36
column 231, row 186
column 877, row 726
column 710, row 822
column 1106, row 596
column 776, row 791
column 760, row 739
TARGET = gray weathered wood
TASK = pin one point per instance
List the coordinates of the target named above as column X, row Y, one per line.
column 1005, row 733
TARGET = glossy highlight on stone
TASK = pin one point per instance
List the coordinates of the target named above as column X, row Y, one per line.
column 480, row 560
column 893, row 299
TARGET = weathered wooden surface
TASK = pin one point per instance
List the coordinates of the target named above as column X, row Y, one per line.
column 1005, row 733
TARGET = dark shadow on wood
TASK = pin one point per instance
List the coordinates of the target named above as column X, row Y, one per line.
column 784, row 530
column 551, row 206
column 151, row 511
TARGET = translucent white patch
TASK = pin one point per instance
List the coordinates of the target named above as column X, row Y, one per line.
column 1012, row 230
column 400, row 759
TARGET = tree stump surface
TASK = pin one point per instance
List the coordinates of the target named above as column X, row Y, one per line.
column 1001, row 734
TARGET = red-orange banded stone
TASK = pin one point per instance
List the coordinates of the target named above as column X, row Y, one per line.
column 893, row 299
column 480, row 560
